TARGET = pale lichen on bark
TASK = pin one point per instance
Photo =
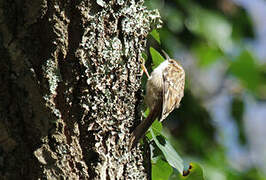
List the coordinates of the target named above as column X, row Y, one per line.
column 111, row 46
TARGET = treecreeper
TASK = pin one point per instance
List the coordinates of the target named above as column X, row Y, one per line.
column 164, row 91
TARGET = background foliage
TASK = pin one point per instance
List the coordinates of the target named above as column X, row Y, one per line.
column 219, row 125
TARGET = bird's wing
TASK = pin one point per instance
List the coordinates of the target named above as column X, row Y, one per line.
column 173, row 89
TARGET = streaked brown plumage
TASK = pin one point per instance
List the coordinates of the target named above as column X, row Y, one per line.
column 164, row 91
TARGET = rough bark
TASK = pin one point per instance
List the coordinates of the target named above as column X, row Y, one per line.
column 70, row 88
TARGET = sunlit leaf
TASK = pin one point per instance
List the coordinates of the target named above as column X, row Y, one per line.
column 146, row 113
column 157, row 59
column 156, row 127
column 156, row 35
column 168, row 151
column 161, row 170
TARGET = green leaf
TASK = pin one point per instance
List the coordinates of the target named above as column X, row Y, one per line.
column 146, row 113
column 245, row 69
column 194, row 172
column 156, row 127
column 157, row 59
column 144, row 55
column 156, row 35
column 169, row 152
column 161, row 170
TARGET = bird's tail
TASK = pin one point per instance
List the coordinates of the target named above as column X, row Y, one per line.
column 141, row 129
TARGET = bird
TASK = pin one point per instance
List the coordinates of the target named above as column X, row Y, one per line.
column 164, row 91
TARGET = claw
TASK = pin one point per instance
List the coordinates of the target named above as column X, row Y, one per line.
column 144, row 68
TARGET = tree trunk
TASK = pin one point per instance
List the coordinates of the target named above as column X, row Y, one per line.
column 70, row 88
